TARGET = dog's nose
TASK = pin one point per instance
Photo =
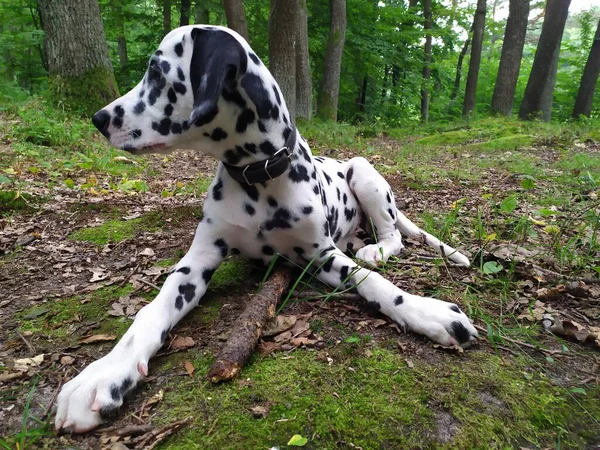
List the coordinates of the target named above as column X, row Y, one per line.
column 101, row 120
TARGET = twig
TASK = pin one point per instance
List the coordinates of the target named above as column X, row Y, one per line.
column 147, row 283
column 521, row 343
column 335, row 296
column 158, row 435
column 245, row 336
column 52, row 400
column 124, row 282
column 29, row 346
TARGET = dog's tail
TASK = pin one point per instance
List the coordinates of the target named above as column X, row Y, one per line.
column 412, row 231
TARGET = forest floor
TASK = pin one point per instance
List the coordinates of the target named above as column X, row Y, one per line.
column 87, row 231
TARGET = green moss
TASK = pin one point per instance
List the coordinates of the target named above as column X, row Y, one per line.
column 448, row 138
column 11, row 201
column 109, row 231
column 92, row 307
column 503, row 143
column 230, row 273
column 88, row 92
column 477, row 400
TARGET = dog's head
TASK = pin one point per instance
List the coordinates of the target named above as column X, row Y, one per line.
column 204, row 89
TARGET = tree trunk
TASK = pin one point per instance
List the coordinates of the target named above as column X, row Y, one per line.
column 327, row 102
column 201, row 12
column 362, row 97
column 459, row 65
column 583, row 104
column 184, row 16
column 552, row 30
column 510, row 61
column 121, row 42
column 236, row 18
column 283, row 18
column 548, row 94
column 80, row 73
column 471, row 87
column 166, row 16
column 303, row 76
column 426, row 67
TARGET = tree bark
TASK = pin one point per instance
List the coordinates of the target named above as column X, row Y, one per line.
column 236, row 17
column 80, row 72
column 283, row 18
column 510, row 60
column 426, row 67
column 303, row 76
column 461, row 58
column 201, row 12
column 166, row 17
column 362, row 95
column 471, row 87
column 552, row 29
column 583, row 103
column 184, row 10
column 327, row 102
column 548, row 94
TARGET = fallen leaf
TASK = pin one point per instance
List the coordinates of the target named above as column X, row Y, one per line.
column 278, row 325
column 147, row 252
column 409, row 363
column 259, row 411
column 67, row 360
column 189, row 368
column 99, row 274
column 98, row 338
column 156, row 398
column 24, row 364
column 181, row 342
column 572, row 329
column 297, row 441
column 36, row 312
column 297, row 342
column 454, row 348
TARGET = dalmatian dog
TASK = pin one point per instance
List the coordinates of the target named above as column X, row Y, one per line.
column 205, row 89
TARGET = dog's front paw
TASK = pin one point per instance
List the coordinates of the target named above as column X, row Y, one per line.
column 96, row 392
column 442, row 322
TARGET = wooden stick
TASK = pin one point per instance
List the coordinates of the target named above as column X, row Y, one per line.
column 248, row 329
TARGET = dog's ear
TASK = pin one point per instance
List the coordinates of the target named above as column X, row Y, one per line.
column 218, row 59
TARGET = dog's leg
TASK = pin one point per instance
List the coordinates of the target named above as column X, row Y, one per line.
column 440, row 321
column 410, row 230
column 377, row 202
column 99, row 388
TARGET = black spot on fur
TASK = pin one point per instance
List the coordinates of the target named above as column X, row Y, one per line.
column 460, row 332
column 299, row 250
column 153, row 95
column 349, row 213
column 307, row 209
column 277, row 96
column 275, row 114
column 165, row 66
column 255, row 88
column 316, row 189
column 136, row 134
column 163, row 335
column 388, row 198
column 179, row 49
column 251, row 191
column 375, row 305
column 126, row 385
column 207, row 275
column 176, row 128
column 272, row 202
column 117, row 122
column 327, row 178
column 341, row 175
column 455, row 308
column 326, row 267
column 281, row 219
column 249, row 209
column 268, row 250
column 218, row 190
column 168, row 110
column 139, row 108
column 179, row 88
column 164, row 127
column 172, row 95
column 246, row 118
column 119, row 111
column 267, row 148
column 223, row 247
column 298, row 173
column 261, row 127
column 398, row 300
column 180, row 74
column 188, row 291
column 179, row 302
column 344, row 273
column 218, row 134
column 254, row 58
column 349, row 174
column 115, row 393
column 184, row 270
column 391, row 213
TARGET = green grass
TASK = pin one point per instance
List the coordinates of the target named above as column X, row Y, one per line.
column 378, row 402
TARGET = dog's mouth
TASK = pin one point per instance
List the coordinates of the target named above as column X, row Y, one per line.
column 151, row 148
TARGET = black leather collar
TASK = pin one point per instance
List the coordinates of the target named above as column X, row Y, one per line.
column 266, row 170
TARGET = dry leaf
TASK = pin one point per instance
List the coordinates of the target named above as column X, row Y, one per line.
column 181, row 342
column 278, row 325
column 454, row 348
column 572, row 329
column 156, row 399
column 260, row 412
column 67, row 360
column 297, row 342
column 147, row 252
column 24, row 364
column 98, row 338
column 99, row 274
column 189, row 368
